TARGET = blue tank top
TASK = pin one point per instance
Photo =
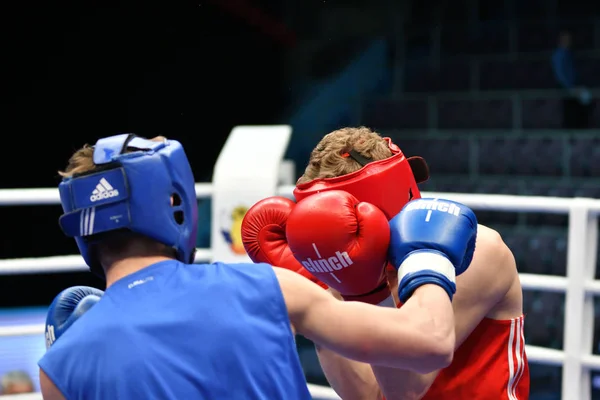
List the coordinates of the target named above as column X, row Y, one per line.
column 182, row 332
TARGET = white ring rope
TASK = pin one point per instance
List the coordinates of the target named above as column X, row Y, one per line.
column 497, row 202
column 22, row 330
column 55, row 264
column 317, row 392
column 49, row 196
column 534, row 353
column 26, row 396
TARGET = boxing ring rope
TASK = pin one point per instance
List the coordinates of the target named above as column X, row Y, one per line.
column 26, row 396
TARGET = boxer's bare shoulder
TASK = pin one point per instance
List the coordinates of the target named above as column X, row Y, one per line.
column 491, row 282
column 490, row 286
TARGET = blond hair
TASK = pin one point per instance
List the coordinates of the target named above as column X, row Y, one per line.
column 112, row 246
column 330, row 157
column 82, row 161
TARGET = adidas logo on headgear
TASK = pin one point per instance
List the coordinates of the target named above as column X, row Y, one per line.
column 104, row 190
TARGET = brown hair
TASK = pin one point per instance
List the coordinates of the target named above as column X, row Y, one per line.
column 330, row 157
column 117, row 244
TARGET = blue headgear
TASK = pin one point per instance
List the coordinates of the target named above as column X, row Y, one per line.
column 149, row 190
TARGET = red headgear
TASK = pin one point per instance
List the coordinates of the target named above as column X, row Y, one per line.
column 388, row 184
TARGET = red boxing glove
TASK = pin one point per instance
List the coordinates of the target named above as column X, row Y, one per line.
column 344, row 243
column 263, row 235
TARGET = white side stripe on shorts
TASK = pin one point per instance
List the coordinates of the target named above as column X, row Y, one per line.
column 520, row 353
column 516, row 356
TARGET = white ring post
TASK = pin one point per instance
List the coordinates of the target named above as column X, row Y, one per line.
column 579, row 306
column 247, row 170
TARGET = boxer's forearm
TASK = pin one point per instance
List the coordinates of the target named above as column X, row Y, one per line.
column 431, row 302
column 398, row 384
column 430, row 311
column 351, row 380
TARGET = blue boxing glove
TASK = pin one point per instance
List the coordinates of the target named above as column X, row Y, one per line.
column 68, row 307
column 432, row 242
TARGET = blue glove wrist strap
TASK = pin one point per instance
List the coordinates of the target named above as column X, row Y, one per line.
column 414, row 280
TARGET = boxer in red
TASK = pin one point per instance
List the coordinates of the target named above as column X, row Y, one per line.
column 489, row 361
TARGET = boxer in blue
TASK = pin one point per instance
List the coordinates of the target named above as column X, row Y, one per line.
column 166, row 328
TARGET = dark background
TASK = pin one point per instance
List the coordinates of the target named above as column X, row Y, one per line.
column 77, row 71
